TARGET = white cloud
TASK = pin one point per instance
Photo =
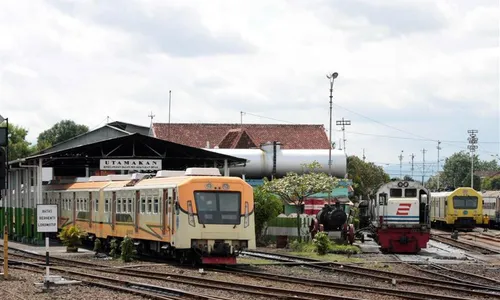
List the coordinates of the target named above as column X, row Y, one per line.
column 425, row 67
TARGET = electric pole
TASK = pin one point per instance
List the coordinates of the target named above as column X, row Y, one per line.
column 472, row 147
column 438, row 175
column 412, row 157
column 423, row 166
column 401, row 166
column 331, row 78
column 343, row 123
column 169, row 106
column 364, row 157
column 151, row 116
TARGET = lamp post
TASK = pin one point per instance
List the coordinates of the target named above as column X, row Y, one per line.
column 331, row 77
column 472, row 147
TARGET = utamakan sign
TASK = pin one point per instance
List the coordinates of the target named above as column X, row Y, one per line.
column 46, row 218
column 130, row 164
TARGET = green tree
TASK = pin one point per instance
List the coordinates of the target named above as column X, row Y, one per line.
column 267, row 207
column 60, row 132
column 18, row 146
column 408, row 178
column 491, row 183
column 127, row 246
column 366, row 177
column 294, row 188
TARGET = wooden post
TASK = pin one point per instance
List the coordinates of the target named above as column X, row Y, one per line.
column 5, row 252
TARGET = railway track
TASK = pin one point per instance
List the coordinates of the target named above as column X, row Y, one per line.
column 182, row 279
column 387, row 276
column 146, row 290
column 461, row 244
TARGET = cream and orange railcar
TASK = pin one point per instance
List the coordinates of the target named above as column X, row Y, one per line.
column 198, row 216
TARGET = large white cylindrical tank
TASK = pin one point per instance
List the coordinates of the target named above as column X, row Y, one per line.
column 260, row 162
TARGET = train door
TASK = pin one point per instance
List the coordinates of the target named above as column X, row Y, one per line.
column 137, row 210
column 113, row 211
column 164, row 212
column 172, row 216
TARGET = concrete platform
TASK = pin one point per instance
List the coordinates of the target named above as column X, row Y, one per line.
column 55, row 249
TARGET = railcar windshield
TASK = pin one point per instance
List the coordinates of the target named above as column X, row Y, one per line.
column 465, row 202
column 218, row 207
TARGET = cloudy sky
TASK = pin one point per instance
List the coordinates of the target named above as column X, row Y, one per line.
column 410, row 72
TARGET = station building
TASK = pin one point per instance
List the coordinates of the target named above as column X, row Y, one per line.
column 252, row 151
column 116, row 148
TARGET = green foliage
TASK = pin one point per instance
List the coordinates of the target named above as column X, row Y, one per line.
column 491, row 183
column 60, row 132
column 457, row 167
column 310, row 247
column 366, row 177
column 71, row 236
column 322, row 243
column 18, row 146
column 267, row 207
column 114, row 248
column 294, row 188
column 127, row 247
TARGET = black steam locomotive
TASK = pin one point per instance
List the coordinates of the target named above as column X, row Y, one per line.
column 333, row 219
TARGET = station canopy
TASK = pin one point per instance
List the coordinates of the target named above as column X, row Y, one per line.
column 133, row 146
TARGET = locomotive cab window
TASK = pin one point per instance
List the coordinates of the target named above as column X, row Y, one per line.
column 465, row 202
column 410, row 193
column 382, row 199
column 218, row 207
column 396, row 193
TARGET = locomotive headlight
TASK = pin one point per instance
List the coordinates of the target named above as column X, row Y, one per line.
column 190, row 213
column 247, row 219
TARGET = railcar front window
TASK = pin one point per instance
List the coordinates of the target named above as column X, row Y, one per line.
column 464, row 202
column 218, row 207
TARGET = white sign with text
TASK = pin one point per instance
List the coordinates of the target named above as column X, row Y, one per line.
column 130, row 164
column 46, row 218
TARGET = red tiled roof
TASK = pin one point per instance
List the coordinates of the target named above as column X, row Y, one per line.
column 251, row 135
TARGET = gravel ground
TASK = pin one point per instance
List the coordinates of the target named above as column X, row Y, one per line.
column 375, row 261
column 21, row 285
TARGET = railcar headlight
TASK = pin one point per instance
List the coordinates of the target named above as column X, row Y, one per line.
column 190, row 213
column 247, row 219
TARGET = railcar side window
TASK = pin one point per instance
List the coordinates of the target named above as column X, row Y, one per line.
column 119, row 205
column 96, row 208
column 382, row 199
column 150, row 204
column 106, row 205
column 129, row 205
column 156, row 204
column 143, row 205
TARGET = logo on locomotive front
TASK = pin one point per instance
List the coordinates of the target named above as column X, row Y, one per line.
column 403, row 209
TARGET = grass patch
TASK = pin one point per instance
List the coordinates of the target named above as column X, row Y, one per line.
column 336, row 252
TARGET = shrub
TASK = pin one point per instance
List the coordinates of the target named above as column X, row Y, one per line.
column 71, row 237
column 114, row 248
column 322, row 243
column 128, row 250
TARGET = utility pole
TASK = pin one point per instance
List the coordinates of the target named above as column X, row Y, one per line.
column 331, row 78
column 472, row 147
column 438, row 175
column 169, row 106
column 343, row 123
column 412, row 157
column 401, row 166
column 364, row 157
column 423, row 166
